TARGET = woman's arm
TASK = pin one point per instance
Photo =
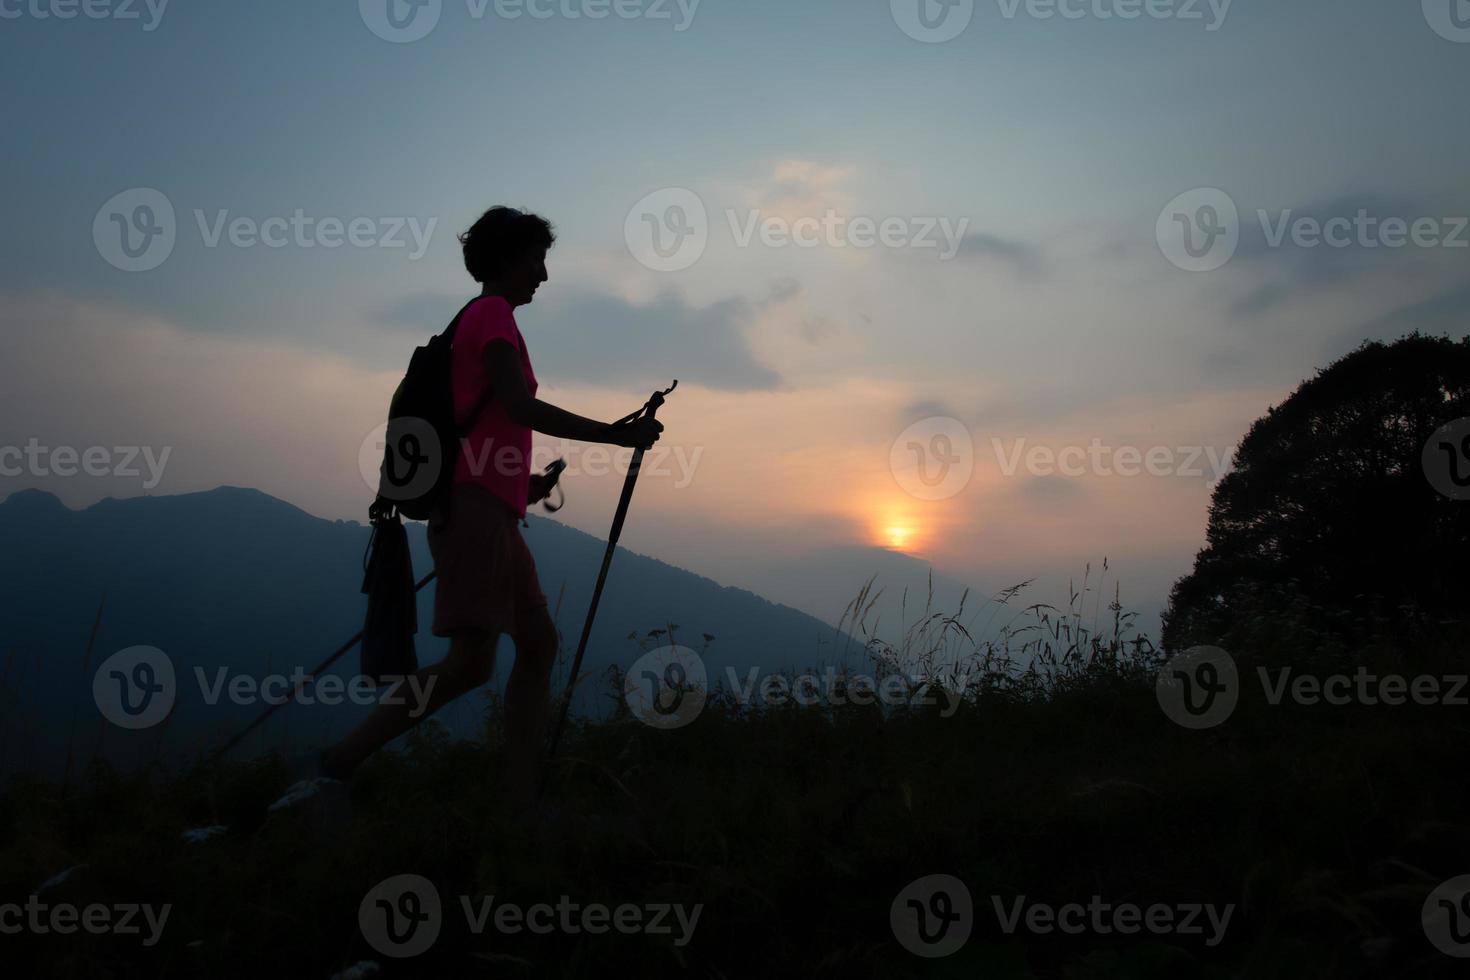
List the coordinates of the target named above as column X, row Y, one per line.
column 504, row 366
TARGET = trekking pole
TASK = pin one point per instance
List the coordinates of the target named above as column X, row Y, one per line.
column 336, row 656
column 651, row 408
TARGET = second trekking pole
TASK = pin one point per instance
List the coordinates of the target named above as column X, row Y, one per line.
column 649, row 410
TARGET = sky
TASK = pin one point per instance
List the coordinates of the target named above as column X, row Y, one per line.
column 995, row 284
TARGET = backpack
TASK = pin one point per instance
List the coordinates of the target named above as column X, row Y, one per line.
column 423, row 442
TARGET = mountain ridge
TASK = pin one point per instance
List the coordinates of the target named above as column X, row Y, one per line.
column 233, row 577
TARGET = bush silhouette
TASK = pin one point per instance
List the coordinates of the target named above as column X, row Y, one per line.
column 1328, row 530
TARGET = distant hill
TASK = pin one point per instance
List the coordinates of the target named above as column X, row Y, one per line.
column 235, row 578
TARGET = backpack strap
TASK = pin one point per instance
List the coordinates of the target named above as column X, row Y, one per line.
column 487, row 395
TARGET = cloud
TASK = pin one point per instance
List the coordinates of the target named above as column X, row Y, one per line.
column 1267, row 240
column 419, row 311
column 1263, row 299
column 1051, row 489
column 242, row 411
column 815, row 330
column 597, row 337
column 928, row 408
column 803, row 187
column 1024, row 258
column 579, row 334
column 785, row 288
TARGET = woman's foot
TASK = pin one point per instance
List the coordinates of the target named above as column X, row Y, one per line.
column 315, row 789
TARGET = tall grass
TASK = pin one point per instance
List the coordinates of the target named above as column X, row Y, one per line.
column 1058, row 779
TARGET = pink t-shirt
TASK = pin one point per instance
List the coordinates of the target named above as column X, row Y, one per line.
column 496, row 452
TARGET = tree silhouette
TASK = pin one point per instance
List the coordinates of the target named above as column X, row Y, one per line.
column 1329, row 519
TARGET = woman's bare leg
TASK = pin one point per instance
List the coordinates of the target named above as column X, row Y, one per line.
column 469, row 664
column 527, row 707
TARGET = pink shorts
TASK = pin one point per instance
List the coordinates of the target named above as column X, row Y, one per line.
column 487, row 577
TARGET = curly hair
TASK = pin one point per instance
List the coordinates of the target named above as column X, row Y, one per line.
column 501, row 236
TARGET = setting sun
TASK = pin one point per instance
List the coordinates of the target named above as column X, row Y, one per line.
column 893, row 523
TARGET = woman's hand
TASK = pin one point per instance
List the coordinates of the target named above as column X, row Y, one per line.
column 538, row 489
column 641, row 433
